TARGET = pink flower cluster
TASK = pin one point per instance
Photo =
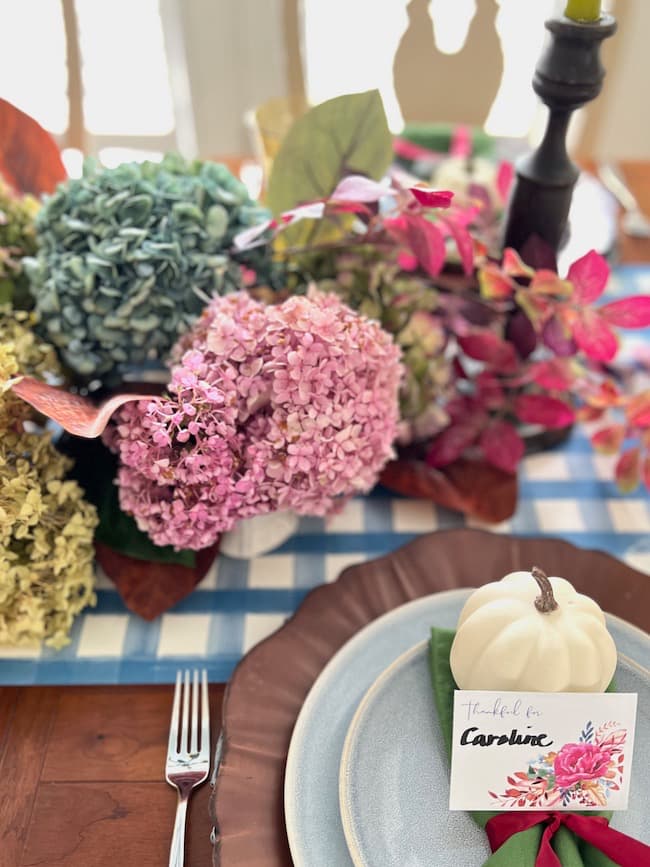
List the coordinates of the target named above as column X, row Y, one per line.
column 293, row 406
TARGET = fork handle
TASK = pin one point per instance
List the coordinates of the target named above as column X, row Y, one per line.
column 177, row 849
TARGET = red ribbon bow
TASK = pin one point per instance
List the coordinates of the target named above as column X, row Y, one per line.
column 623, row 850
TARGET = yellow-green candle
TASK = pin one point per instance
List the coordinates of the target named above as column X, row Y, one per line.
column 583, row 10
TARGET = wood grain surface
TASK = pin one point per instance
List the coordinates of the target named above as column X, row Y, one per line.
column 82, row 768
column 82, row 778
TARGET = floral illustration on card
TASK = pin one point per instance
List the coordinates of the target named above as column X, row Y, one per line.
column 581, row 774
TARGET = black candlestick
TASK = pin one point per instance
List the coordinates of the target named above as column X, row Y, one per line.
column 568, row 75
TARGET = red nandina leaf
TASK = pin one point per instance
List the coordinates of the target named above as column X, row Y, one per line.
column 628, row 312
column 607, row 394
column 407, row 262
column 489, row 392
column 494, row 283
column 521, row 333
column 554, row 374
column 504, row 179
column 586, row 414
column 461, row 142
column 488, row 347
column 358, row 188
column 638, row 410
column 589, row 276
column 472, row 487
column 547, row 282
column 432, row 198
column 609, row 440
column 427, row 242
column 557, row 338
column 514, row 265
column 645, row 471
column 542, row 409
column 502, row 446
column 451, row 443
column 408, row 150
column 30, row 160
column 464, row 244
column 594, row 336
column 628, row 470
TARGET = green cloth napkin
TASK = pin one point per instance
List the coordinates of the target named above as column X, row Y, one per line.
column 521, row 849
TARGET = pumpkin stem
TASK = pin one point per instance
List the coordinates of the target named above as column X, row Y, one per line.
column 545, row 602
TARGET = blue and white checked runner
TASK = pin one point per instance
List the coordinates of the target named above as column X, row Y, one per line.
column 565, row 493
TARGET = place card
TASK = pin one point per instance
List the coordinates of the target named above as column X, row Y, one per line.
column 541, row 750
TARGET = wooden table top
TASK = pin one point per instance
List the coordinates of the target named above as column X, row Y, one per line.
column 82, row 768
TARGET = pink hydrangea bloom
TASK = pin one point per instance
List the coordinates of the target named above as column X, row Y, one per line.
column 293, row 406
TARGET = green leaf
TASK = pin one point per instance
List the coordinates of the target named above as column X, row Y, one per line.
column 95, row 469
column 343, row 136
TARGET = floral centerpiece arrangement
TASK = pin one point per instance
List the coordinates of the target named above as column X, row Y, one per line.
column 278, row 333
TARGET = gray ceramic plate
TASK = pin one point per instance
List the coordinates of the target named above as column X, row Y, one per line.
column 313, row 821
column 394, row 790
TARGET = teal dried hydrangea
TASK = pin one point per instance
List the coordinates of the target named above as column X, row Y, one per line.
column 17, row 240
column 46, row 525
column 128, row 257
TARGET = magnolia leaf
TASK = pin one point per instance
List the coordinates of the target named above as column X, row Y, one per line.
column 30, row 160
column 502, row 446
column 589, row 276
column 594, row 336
column 432, row 198
column 488, row 347
column 628, row 470
column 638, row 410
column 541, row 409
column 628, row 312
column 347, row 135
column 609, row 440
column 472, row 487
column 77, row 415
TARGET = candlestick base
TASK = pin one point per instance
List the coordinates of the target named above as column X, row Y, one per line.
column 568, row 75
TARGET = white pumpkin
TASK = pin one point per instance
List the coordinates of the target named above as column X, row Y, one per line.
column 512, row 637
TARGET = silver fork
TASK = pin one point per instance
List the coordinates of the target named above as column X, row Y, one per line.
column 188, row 752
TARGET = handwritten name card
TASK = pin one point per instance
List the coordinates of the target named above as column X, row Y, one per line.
column 541, row 751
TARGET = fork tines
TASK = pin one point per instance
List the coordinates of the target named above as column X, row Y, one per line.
column 188, row 737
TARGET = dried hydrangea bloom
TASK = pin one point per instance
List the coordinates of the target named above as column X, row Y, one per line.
column 128, row 257
column 17, row 239
column 293, row 406
column 46, row 527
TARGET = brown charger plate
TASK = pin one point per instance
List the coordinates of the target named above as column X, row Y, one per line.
column 269, row 686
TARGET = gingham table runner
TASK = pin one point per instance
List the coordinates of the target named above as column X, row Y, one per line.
column 566, row 493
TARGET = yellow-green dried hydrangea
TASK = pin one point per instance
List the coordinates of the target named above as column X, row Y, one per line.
column 17, row 239
column 46, row 527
